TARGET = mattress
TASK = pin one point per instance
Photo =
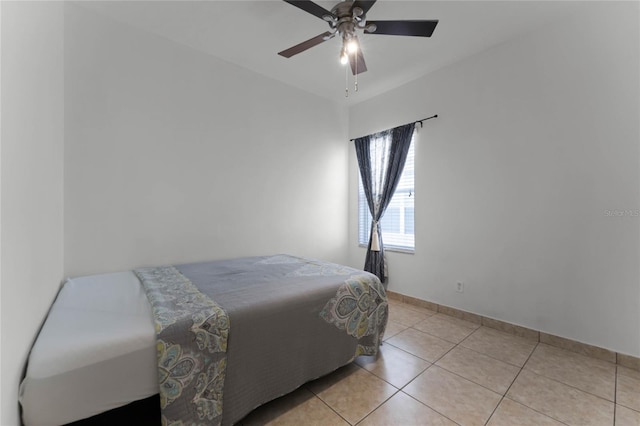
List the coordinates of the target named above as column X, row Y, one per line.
column 96, row 351
column 292, row 320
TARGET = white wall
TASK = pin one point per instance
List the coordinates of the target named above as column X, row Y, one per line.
column 31, row 153
column 536, row 139
column 175, row 156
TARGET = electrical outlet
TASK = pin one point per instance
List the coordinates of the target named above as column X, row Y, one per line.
column 460, row 287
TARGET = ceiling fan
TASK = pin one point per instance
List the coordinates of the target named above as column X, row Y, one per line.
column 345, row 19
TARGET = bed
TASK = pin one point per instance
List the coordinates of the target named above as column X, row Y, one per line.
column 213, row 339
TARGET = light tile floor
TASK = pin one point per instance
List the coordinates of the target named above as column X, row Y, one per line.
column 434, row 369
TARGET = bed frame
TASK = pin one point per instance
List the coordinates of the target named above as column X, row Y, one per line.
column 146, row 412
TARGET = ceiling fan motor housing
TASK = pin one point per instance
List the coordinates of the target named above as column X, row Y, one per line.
column 346, row 18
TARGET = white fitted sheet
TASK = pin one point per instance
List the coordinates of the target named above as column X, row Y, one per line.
column 95, row 352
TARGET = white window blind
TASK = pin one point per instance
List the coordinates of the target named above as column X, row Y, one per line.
column 397, row 224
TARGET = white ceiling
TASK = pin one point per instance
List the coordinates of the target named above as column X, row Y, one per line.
column 250, row 33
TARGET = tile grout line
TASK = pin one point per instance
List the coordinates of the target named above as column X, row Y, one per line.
column 426, row 405
column 330, row 408
column 397, row 389
column 380, row 405
column 324, row 402
column 455, row 345
column 391, row 384
column 469, row 380
column 524, row 405
column 315, row 395
column 422, row 372
column 557, row 381
column 383, row 402
column 433, row 335
column 424, row 332
column 492, row 357
column 462, row 377
column 511, row 384
column 615, row 396
column 402, row 387
column 406, row 351
column 574, row 387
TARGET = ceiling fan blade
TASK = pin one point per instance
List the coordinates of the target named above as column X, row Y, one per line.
column 420, row 28
column 365, row 5
column 358, row 66
column 310, row 7
column 298, row 48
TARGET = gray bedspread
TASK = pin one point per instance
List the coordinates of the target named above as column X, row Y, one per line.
column 237, row 333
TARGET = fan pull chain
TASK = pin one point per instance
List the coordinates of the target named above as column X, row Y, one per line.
column 346, row 82
column 356, row 77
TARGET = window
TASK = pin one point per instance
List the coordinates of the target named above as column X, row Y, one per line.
column 397, row 224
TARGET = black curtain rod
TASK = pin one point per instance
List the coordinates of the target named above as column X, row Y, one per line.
column 414, row 122
column 425, row 119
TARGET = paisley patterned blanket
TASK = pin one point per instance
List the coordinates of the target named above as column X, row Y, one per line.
column 234, row 334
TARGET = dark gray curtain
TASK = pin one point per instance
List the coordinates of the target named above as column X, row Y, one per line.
column 381, row 159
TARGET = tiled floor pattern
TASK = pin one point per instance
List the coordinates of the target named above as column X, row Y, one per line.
column 434, row 369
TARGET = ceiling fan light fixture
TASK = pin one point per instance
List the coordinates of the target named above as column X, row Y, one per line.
column 352, row 46
column 344, row 57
